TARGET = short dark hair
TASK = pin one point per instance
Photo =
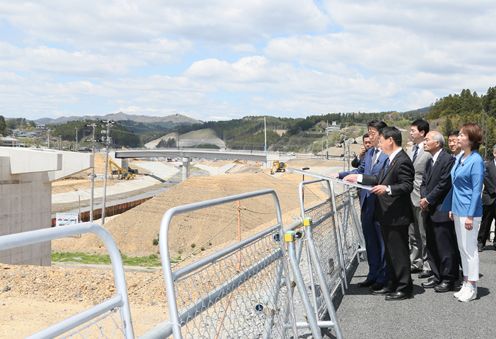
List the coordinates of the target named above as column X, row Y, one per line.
column 474, row 135
column 366, row 135
column 422, row 126
column 392, row 132
column 378, row 125
column 454, row 133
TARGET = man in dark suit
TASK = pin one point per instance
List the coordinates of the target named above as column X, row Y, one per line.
column 488, row 202
column 372, row 164
column 393, row 211
column 363, row 150
column 440, row 230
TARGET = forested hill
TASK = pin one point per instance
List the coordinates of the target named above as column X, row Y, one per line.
column 283, row 134
column 454, row 110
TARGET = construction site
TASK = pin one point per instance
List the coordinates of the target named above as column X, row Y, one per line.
column 69, row 287
column 238, row 248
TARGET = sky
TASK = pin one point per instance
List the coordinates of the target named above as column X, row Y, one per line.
column 225, row 59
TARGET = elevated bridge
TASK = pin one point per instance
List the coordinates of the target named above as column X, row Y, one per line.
column 195, row 154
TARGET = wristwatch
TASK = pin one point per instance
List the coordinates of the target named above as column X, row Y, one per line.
column 388, row 190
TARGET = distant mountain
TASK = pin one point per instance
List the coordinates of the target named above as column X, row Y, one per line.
column 173, row 118
column 419, row 111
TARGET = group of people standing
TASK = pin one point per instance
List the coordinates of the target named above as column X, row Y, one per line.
column 424, row 209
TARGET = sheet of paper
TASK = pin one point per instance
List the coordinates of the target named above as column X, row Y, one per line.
column 340, row 181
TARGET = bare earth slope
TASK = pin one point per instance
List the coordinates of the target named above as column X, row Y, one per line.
column 135, row 230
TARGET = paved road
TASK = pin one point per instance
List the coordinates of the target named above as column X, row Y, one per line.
column 427, row 315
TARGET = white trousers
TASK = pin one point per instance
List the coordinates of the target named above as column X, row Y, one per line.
column 467, row 244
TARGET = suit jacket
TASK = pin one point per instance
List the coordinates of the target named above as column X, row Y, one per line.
column 464, row 199
column 394, row 209
column 355, row 163
column 489, row 191
column 436, row 183
column 368, row 168
column 419, row 164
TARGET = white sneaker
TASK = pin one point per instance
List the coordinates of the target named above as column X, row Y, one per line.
column 469, row 294
column 460, row 292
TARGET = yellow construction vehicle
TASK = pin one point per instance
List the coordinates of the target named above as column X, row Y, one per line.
column 122, row 173
column 278, row 166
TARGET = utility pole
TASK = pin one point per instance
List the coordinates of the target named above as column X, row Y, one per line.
column 107, row 145
column 48, row 138
column 60, row 142
column 92, row 196
column 265, row 135
column 327, row 140
column 238, row 203
column 76, row 147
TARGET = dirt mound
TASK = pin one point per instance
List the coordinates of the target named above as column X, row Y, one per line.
column 34, row 297
column 136, row 230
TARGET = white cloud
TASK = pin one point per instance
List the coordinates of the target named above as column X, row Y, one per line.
column 221, row 58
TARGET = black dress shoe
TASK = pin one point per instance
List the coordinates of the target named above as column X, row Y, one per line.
column 382, row 291
column 425, row 274
column 398, row 296
column 365, row 283
column 376, row 287
column 444, row 286
column 480, row 246
column 430, row 283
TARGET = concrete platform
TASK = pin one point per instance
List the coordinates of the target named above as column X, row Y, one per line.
column 427, row 315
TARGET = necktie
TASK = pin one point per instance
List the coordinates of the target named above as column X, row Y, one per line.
column 415, row 152
column 375, row 155
column 428, row 169
column 384, row 170
column 386, row 166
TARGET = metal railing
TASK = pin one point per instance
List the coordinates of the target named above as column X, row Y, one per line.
column 331, row 241
column 100, row 320
column 246, row 289
column 239, row 291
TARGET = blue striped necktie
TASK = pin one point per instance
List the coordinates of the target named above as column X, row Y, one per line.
column 415, row 152
column 386, row 166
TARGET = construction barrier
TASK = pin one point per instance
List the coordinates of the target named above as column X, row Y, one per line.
column 281, row 282
column 109, row 319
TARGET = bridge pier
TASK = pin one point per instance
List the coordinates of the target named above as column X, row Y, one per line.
column 185, row 169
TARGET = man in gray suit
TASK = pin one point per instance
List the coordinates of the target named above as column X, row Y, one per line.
column 416, row 232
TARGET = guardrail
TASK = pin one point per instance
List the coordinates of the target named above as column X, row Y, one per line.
column 246, row 289
column 239, row 291
column 90, row 322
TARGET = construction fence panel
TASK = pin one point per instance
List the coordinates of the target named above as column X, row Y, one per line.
column 238, row 292
column 336, row 235
column 109, row 319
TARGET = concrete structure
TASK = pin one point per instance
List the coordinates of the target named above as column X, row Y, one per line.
column 192, row 153
column 188, row 154
column 8, row 141
column 26, row 195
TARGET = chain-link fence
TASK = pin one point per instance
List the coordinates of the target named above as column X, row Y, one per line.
column 264, row 286
column 238, row 292
column 333, row 233
column 109, row 319
column 107, row 325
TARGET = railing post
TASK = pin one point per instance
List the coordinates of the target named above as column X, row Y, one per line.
column 289, row 239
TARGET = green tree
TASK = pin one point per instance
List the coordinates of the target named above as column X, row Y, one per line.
column 448, row 126
column 3, row 125
column 489, row 101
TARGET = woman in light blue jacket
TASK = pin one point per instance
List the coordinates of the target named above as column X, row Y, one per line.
column 464, row 203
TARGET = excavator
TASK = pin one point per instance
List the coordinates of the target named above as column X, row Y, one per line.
column 122, row 173
column 278, row 166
